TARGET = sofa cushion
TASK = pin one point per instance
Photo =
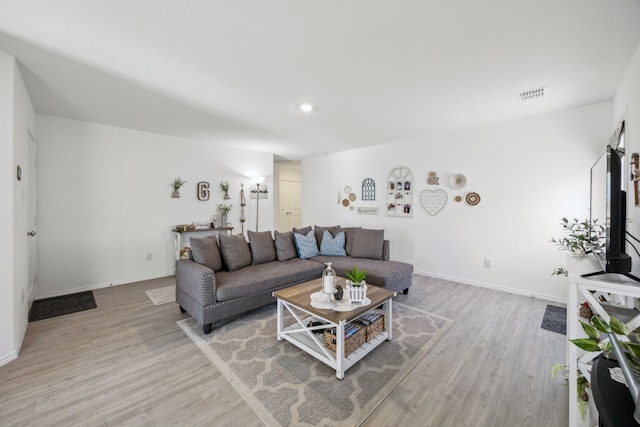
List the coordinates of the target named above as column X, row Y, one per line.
column 367, row 243
column 306, row 244
column 332, row 246
column 285, row 245
column 205, row 251
column 304, row 231
column 262, row 247
column 265, row 278
column 348, row 237
column 235, row 251
column 319, row 232
column 393, row 275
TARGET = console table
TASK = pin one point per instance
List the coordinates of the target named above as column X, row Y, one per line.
column 620, row 295
column 201, row 232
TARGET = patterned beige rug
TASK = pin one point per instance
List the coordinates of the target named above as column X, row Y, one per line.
column 286, row 386
column 161, row 296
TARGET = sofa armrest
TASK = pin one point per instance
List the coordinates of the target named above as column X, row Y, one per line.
column 196, row 280
column 386, row 250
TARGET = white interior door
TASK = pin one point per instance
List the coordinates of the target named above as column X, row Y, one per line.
column 32, row 220
column 290, row 205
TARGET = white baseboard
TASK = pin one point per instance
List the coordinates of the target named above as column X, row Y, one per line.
column 8, row 358
column 100, row 286
column 496, row 287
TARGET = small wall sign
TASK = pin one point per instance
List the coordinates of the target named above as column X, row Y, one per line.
column 368, row 210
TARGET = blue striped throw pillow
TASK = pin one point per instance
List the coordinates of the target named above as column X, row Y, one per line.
column 332, row 246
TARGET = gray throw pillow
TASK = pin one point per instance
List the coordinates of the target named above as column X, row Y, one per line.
column 205, row 251
column 304, row 231
column 348, row 237
column 367, row 243
column 319, row 232
column 285, row 245
column 235, row 251
column 262, row 247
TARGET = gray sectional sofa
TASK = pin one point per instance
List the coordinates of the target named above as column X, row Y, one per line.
column 226, row 275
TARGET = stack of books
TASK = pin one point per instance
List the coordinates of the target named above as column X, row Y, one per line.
column 349, row 330
column 369, row 318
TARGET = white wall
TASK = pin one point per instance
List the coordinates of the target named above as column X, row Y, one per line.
column 529, row 173
column 626, row 104
column 105, row 200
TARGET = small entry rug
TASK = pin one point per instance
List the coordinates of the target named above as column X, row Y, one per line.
column 161, row 296
column 287, row 387
column 555, row 319
column 58, row 306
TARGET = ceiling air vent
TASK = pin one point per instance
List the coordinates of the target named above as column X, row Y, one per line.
column 531, row 95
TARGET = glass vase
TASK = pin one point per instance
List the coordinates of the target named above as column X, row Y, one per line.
column 328, row 281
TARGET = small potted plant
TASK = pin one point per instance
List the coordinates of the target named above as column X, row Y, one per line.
column 224, row 209
column 224, row 187
column 356, row 285
column 177, row 183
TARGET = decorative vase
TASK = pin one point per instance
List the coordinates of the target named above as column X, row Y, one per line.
column 226, row 196
column 175, row 194
column 328, row 281
column 223, row 220
column 356, row 292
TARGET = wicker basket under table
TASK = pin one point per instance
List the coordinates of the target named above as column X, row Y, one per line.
column 374, row 329
column 350, row 344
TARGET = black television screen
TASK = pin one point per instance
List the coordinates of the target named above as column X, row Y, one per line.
column 609, row 208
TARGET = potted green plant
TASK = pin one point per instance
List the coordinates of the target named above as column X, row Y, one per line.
column 224, row 209
column 224, row 187
column 356, row 285
column 581, row 239
column 602, row 337
column 177, row 183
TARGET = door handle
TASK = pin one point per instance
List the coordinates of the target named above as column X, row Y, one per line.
column 31, row 233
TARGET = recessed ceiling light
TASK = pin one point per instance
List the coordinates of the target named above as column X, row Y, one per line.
column 306, row 107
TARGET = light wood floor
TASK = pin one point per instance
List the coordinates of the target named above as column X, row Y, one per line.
column 128, row 363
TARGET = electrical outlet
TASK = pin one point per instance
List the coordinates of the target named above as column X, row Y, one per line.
column 149, row 257
column 487, row 263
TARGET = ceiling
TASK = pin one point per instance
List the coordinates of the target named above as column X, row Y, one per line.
column 379, row 71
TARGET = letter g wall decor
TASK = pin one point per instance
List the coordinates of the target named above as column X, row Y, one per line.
column 203, row 190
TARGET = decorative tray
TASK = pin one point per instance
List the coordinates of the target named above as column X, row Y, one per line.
column 317, row 301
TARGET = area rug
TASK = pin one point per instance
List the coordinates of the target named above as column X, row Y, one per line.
column 57, row 306
column 286, row 387
column 161, row 296
column 555, row 319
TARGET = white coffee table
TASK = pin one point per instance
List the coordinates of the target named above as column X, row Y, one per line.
column 297, row 301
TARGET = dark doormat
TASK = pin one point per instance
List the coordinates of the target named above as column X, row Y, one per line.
column 65, row 304
column 555, row 319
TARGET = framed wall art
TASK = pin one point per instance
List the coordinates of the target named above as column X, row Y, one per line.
column 400, row 192
column 368, row 189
